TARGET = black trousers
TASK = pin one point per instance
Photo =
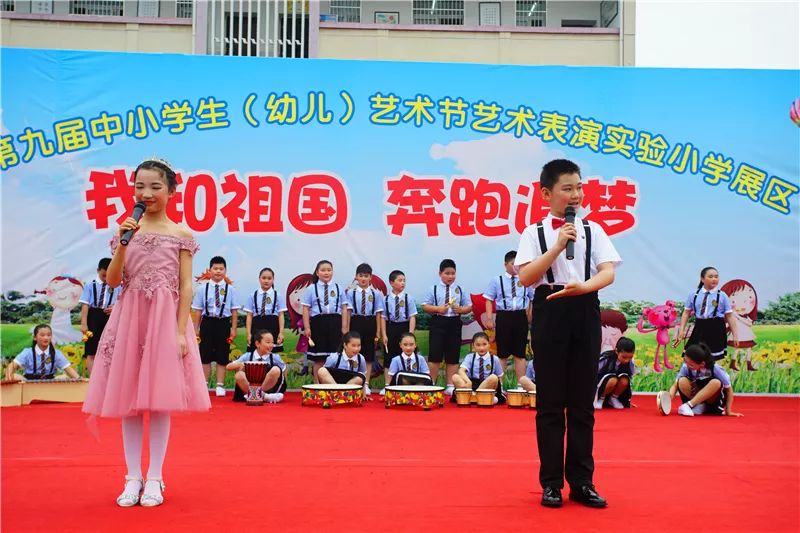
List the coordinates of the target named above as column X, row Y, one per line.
column 393, row 332
column 96, row 321
column 565, row 336
column 367, row 327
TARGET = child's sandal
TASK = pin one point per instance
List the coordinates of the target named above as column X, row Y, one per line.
column 130, row 498
column 150, row 499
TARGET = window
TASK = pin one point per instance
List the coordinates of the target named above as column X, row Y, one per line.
column 148, row 8
column 489, row 14
column 532, row 14
column 184, row 9
column 245, row 34
column 442, row 12
column 578, row 23
column 107, row 8
column 346, row 10
column 42, row 6
column 7, row 5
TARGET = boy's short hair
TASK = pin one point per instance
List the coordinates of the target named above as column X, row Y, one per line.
column 259, row 335
column 554, row 169
column 394, row 274
column 103, row 263
column 446, row 263
column 217, row 260
column 624, row 344
column 364, row 268
column 510, row 256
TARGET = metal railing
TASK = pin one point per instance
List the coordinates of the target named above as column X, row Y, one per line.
column 184, row 9
column 273, row 28
column 7, row 5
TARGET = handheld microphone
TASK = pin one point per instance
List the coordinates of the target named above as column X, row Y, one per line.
column 569, row 218
column 138, row 211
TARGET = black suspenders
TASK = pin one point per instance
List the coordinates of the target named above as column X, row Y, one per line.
column 474, row 357
column 255, row 302
column 319, row 302
column 715, row 302
column 403, row 360
column 543, row 246
column 52, row 364
column 503, row 292
column 109, row 292
column 224, row 300
column 407, row 313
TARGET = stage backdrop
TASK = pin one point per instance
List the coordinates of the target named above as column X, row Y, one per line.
column 285, row 162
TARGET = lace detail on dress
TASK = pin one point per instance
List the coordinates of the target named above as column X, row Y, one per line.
column 106, row 349
column 151, row 277
column 189, row 244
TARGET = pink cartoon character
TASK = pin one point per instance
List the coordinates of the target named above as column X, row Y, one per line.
column 662, row 317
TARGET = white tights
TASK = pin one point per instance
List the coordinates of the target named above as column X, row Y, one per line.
column 132, row 436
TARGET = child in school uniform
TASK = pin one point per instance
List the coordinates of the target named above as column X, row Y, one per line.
column 364, row 312
column 514, row 304
column 215, row 308
column 323, row 315
column 409, row 368
column 265, row 308
column 347, row 366
column 41, row 361
column 528, row 381
column 274, row 385
column 615, row 371
column 705, row 388
column 711, row 309
column 400, row 317
column 96, row 301
column 480, row 369
column 445, row 302
column 565, row 332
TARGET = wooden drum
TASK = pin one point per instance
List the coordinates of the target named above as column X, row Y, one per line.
column 517, row 398
column 532, row 399
column 485, row 397
column 464, row 397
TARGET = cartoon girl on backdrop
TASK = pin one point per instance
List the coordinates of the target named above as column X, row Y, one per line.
column 613, row 326
column 63, row 293
column 744, row 302
column 294, row 294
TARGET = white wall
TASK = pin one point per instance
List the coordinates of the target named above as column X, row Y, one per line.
column 718, row 33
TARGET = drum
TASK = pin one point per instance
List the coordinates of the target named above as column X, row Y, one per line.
column 517, row 398
column 425, row 396
column 463, row 397
column 485, row 397
column 329, row 394
column 255, row 372
column 664, row 403
column 54, row 390
column 532, row 399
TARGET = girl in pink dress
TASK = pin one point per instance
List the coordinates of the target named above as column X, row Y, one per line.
column 147, row 359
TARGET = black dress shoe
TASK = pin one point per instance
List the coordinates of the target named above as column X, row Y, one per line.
column 552, row 497
column 587, row 496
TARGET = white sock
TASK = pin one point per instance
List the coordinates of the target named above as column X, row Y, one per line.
column 159, row 437
column 132, row 431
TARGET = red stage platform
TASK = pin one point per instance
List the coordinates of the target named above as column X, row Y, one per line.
column 291, row 468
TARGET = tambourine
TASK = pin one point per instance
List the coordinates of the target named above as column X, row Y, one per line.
column 664, row 402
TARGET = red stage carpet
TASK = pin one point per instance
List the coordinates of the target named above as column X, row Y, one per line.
column 287, row 468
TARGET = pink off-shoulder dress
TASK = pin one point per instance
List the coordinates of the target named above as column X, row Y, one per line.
column 138, row 366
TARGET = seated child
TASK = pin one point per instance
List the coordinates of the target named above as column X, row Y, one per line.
column 347, row 366
column 528, row 381
column 480, row 369
column 274, row 385
column 615, row 370
column 41, row 360
column 409, row 368
column 705, row 388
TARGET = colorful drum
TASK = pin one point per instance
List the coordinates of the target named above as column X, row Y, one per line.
column 328, row 394
column 255, row 372
column 425, row 396
column 463, row 397
column 517, row 398
column 485, row 397
column 532, row 398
